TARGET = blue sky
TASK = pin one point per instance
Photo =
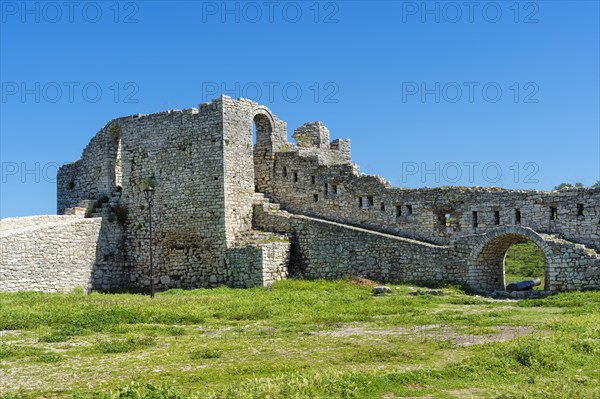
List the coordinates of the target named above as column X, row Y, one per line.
column 430, row 93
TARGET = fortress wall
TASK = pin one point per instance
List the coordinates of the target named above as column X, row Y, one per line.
column 182, row 151
column 86, row 178
column 311, row 185
column 573, row 267
column 241, row 174
column 323, row 249
column 238, row 166
column 259, row 265
column 42, row 253
column 207, row 172
column 568, row 265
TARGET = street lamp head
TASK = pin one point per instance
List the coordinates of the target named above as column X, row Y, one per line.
column 149, row 194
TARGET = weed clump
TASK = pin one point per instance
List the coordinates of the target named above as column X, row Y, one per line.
column 124, row 345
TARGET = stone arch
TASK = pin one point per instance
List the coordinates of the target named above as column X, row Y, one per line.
column 263, row 149
column 486, row 260
column 264, row 121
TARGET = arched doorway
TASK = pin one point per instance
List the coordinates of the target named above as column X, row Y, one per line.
column 524, row 261
column 263, row 150
column 487, row 259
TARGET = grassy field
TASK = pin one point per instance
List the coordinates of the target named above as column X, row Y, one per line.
column 299, row 339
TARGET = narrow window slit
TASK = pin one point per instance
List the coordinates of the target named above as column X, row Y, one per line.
column 553, row 213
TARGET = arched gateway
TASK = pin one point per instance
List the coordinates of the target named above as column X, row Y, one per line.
column 486, row 261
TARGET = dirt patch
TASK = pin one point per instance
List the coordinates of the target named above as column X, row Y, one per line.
column 9, row 333
column 362, row 282
column 435, row 332
column 503, row 333
column 468, row 393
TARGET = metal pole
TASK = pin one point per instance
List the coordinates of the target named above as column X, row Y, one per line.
column 151, row 258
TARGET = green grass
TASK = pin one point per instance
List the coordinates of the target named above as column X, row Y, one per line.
column 524, row 262
column 124, row 345
column 298, row 339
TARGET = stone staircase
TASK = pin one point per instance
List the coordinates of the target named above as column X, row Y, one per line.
column 257, row 257
column 577, row 267
column 47, row 252
column 25, row 224
column 262, row 199
column 565, row 246
column 82, row 208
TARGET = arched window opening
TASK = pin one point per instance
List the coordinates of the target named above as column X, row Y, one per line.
column 262, row 148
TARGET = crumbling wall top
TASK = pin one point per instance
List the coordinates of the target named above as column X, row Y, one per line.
column 312, row 134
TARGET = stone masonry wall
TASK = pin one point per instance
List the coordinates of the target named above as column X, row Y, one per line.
column 245, row 175
column 332, row 250
column 315, row 185
column 260, row 264
column 201, row 162
column 182, row 153
column 212, row 187
column 328, row 249
column 47, row 253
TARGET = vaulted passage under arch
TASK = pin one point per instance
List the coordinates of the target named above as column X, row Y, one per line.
column 486, row 271
column 263, row 149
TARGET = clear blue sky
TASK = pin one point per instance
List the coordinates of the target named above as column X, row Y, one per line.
column 414, row 87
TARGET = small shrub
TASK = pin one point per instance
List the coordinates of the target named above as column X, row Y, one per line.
column 97, row 205
column 205, row 354
column 121, row 212
column 148, row 182
column 588, row 346
column 176, row 331
column 8, row 351
column 53, row 337
column 124, row 345
column 114, row 132
column 537, row 353
column 134, row 391
column 49, row 358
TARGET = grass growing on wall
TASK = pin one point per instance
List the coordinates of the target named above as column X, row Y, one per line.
column 299, row 339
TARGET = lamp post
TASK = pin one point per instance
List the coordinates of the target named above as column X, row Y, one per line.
column 149, row 194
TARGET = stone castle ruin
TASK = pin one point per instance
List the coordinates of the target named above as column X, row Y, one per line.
column 231, row 212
